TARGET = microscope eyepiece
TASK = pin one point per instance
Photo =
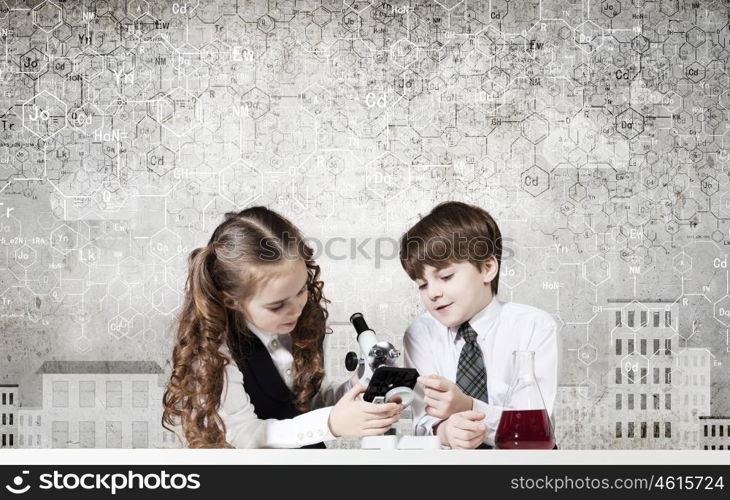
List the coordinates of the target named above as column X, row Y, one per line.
column 359, row 323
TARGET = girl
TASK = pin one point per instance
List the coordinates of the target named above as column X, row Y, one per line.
column 248, row 360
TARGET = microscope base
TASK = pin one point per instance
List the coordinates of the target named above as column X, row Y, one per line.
column 402, row 443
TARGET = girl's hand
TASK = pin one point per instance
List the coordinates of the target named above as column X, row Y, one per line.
column 351, row 417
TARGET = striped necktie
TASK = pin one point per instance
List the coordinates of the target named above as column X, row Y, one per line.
column 471, row 375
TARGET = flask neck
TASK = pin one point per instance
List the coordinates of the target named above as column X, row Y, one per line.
column 524, row 391
column 524, row 364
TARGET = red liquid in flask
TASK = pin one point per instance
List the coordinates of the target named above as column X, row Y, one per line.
column 524, row 430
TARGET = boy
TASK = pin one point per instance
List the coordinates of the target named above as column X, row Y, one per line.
column 463, row 345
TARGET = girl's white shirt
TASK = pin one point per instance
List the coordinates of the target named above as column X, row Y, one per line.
column 245, row 430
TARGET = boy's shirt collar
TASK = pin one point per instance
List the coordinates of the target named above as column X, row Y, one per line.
column 482, row 322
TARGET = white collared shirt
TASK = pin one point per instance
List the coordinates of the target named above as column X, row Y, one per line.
column 279, row 347
column 502, row 327
column 245, row 430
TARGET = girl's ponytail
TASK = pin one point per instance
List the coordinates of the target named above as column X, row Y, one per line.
column 206, row 298
column 196, row 360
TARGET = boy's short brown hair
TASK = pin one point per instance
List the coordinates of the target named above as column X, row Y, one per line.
column 451, row 232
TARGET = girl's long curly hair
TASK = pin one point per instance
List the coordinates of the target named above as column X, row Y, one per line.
column 241, row 250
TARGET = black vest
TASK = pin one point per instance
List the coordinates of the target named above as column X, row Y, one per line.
column 270, row 396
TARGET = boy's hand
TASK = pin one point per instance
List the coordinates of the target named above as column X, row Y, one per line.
column 463, row 431
column 443, row 398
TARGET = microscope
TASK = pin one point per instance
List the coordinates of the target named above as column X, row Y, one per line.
column 385, row 383
column 376, row 367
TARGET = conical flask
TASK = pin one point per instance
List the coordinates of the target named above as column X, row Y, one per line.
column 525, row 423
